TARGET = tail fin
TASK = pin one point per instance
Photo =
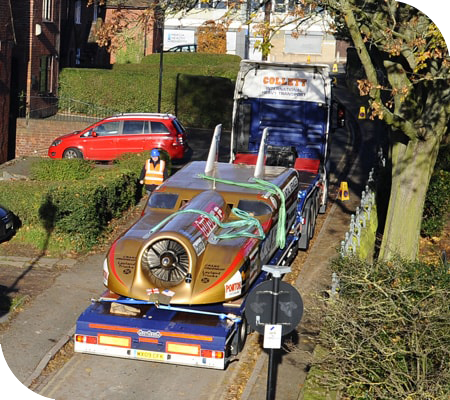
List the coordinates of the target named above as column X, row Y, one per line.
column 213, row 154
column 260, row 162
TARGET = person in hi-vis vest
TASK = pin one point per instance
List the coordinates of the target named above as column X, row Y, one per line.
column 153, row 171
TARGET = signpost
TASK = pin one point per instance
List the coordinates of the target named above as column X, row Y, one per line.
column 274, row 309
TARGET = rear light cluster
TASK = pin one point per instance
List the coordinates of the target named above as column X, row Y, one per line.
column 86, row 339
column 212, row 354
column 180, row 140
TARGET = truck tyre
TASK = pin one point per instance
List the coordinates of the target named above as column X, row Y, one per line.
column 313, row 207
column 323, row 207
column 239, row 338
column 292, row 253
column 303, row 242
column 72, row 152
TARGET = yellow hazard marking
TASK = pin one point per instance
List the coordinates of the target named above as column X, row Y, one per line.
column 362, row 113
column 343, row 192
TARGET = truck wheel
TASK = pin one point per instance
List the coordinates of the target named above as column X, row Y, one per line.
column 323, row 207
column 292, row 254
column 239, row 338
column 313, row 218
column 303, row 242
column 72, row 152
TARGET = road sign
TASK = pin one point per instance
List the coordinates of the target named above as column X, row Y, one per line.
column 260, row 301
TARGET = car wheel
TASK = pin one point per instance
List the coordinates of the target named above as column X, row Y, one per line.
column 72, row 153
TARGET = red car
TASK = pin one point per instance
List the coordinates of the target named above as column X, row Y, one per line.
column 123, row 133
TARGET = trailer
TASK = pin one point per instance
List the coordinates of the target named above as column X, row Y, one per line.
column 178, row 279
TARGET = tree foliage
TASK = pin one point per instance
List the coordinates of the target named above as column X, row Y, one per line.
column 388, row 334
column 406, row 64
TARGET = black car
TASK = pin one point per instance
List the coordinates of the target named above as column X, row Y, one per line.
column 6, row 224
column 190, row 48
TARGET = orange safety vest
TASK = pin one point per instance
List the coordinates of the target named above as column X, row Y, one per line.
column 154, row 174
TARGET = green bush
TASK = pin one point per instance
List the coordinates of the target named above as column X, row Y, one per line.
column 78, row 210
column 387, row 333
column 437, row 200
column 205, row 100
column 61, row 170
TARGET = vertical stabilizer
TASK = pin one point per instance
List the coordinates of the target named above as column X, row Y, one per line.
column 260, row 162
column 213, row 154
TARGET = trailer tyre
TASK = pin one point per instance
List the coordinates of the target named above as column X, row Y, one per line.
column 323, row 207
column 313, row 217
column 303, row 242
column 239, row 338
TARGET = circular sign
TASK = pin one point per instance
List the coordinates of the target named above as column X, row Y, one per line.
column 259, row 305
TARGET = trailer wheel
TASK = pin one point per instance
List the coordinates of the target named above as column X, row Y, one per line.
column 239, row 338
column 323, row 207
column 313, row 218
column 303, row 242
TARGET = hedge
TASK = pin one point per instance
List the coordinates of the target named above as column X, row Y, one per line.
column 80, row 208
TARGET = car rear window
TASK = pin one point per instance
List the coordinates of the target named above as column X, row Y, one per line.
column 159, row 127
column 163, row 200
column 178, row 126
column 135, row 127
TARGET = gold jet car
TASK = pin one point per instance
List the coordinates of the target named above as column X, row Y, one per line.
column 205, row 233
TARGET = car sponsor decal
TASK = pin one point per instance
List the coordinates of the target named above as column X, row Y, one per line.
column 199, row 246
column 111, row 263
column 243, row 252
column 233, row 287
column 290, row 187
column 206, row 225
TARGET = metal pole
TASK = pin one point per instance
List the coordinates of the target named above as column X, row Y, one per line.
column 270, row 384
column 160, row 21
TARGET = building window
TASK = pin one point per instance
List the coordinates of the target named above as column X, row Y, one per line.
column 310, row 43
column 45, row 74
column 47, row 6
column 217, row 4
column 95, row 15
column 77, row 15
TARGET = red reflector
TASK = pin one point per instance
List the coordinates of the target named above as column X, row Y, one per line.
column 207, row 353
column 212, row 354
column 91, row 339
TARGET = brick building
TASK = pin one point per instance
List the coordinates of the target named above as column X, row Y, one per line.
column 37, row 25
column 6, row 48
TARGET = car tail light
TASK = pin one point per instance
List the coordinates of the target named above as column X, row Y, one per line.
column 180, row 140
column 86, row 339
column 212, row 354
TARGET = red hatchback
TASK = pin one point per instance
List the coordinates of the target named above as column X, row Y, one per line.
column 124, row 133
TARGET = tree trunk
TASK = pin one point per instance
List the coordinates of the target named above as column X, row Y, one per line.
column 412, row 165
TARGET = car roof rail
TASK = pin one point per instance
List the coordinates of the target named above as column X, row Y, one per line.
column 145, row 115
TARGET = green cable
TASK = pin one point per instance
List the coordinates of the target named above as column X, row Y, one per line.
column 246, row 221
column 261, row 184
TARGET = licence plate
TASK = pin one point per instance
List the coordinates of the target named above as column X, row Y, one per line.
column 150, row 355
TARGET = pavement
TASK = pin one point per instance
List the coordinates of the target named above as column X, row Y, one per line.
column 51, row 327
